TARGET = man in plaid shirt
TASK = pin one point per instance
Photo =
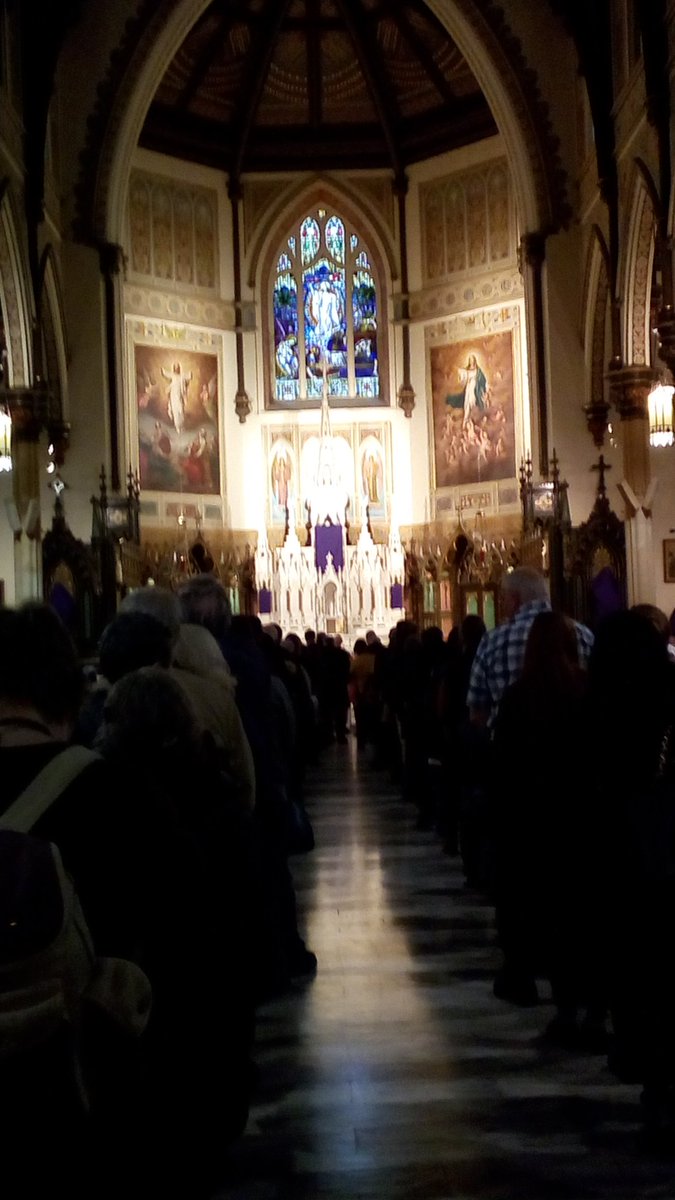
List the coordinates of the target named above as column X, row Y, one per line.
column 500, row 655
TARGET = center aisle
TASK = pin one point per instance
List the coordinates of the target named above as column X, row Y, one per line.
column 395, row 1074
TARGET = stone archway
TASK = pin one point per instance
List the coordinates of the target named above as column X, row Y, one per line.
column 477, row 26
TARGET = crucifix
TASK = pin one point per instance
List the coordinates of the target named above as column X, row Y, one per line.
column 601, row 467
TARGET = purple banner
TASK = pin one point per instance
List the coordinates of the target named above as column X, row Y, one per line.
column 397, row 595
column 264, row 600
column 328, row 540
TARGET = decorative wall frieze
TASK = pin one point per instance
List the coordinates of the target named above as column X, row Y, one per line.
column 469, row 324
column 171, row 306
column 172, row 232
column 468, row 221
column 465, row 292
column 520, row 80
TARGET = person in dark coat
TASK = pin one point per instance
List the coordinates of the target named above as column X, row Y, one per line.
column 632, row 691
column 540, row 814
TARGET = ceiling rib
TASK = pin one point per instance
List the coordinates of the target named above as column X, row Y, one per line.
column 379, row 86
column 268, row 25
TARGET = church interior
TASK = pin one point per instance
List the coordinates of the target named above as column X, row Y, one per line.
column 204, row 205
column 356, row 305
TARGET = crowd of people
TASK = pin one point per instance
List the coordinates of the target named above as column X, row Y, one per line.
column 542, row 754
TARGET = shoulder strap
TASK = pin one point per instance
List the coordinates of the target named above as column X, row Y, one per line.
column 47, row 786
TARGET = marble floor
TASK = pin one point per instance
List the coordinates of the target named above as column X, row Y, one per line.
column 395, row 1074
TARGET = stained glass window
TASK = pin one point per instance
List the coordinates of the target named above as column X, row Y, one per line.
column 310, row 239
column 335, row 239
column 325, row 309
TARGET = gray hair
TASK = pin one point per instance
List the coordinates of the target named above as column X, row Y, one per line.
column 157, row 602
column 527, row 584
column 204, row 601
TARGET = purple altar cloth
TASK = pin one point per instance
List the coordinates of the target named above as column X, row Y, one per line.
column 264, row 600
column 328, row 540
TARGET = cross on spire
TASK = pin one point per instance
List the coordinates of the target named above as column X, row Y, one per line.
column 601, row 467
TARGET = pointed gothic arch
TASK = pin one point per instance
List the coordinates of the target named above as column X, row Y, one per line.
column 52, row 325
column 263, row 260
column 16, row 309
column 595, row 310
column 637, row 269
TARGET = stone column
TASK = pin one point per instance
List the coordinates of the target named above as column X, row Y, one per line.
column 27, row 410
column 531, row 260
column 629, row 388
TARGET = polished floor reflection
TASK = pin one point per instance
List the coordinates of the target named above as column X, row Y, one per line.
column 395, row 1074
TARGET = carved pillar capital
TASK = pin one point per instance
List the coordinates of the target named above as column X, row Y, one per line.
column 111, row 258
column 29, row 409
column 406, row 398
column 531, row 250
column 596, row 413
column 242, row 405
column 629, row 387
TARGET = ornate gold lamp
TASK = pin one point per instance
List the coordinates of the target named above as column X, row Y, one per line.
column 660, row 410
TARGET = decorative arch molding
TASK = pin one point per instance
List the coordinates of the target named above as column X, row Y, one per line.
column 595, row 309
column 15, row 302
column 292, row 206
column 137, row 64
column 510, row 85
column 637, row 271
column 52, row 324
column 480, row 30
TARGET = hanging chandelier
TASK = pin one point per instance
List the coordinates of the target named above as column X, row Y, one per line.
column 660, row 409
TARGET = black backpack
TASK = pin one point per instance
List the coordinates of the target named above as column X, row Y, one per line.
column 49, row 970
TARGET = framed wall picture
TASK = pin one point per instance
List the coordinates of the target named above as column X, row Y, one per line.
column 177, row 419
column 669, row 560
column 372, row 474
column 282, row 477
column 473, row 409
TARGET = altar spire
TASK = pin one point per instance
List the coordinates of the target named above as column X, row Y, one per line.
column 325, row 467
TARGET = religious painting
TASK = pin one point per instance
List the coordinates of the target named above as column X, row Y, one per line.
column 325, row 314
column 177, row 405
column 473, row 410
column 371, row 477
column 282, row 479
column 669, row 560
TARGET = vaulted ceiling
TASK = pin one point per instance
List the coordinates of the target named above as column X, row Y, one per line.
column 272, row 85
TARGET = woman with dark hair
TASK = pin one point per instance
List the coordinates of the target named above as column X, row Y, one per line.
column 463, row 808
column 540, row 818
column 199, row 918
column 632, row 690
